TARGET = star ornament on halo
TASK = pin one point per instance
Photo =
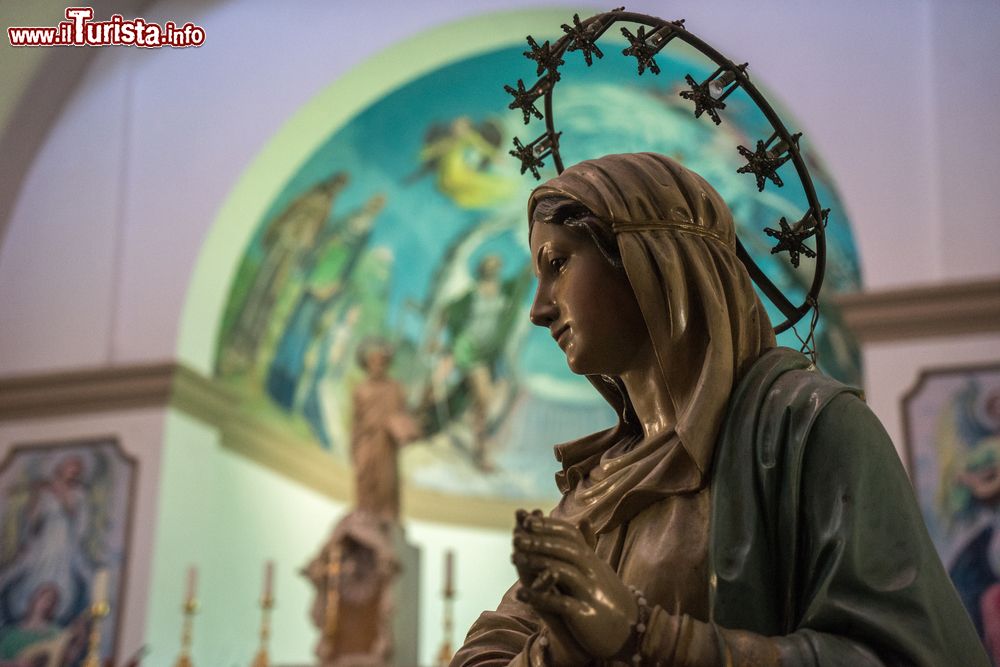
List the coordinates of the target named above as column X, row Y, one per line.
column 792, row 238
column 545, row 58
column 763, row 162
column 701, row 95
column 641, row 49
column 523, row 100
column 528, row 158
column 581, row 40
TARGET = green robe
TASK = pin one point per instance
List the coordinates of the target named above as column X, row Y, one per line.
column 13, row 640
column 817, row 548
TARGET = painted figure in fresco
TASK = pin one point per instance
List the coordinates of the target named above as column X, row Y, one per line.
column 358, row 315
column 459, row 156
column 745, row 509
column 380, row 426
column 327, row 269
column 477, row 325
column 286, row 243
column 969, row 443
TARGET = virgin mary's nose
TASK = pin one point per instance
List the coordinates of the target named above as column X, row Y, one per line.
column 543, row 309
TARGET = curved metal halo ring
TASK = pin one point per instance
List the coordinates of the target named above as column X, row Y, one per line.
column 583, row 36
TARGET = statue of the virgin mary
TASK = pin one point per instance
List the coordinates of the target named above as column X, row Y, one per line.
column 746, row 509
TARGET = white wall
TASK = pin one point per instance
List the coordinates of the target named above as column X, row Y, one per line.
column 964, row 85
column 227, row 515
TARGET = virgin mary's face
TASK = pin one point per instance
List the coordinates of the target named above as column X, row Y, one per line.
column 587, row 304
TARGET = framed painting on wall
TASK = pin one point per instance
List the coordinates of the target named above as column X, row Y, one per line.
column 65, row 524
column 952, row 426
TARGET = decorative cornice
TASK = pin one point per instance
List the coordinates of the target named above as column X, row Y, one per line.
column 951, row 309
column 88, row 390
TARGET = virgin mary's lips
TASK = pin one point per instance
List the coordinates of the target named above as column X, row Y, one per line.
column 558, row 333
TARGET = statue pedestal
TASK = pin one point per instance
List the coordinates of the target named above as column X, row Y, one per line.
column 367, row 594
column 406, row 593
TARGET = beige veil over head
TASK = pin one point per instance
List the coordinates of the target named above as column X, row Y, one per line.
column 677, row 241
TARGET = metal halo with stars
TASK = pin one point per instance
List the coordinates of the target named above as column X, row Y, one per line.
column 708, row 97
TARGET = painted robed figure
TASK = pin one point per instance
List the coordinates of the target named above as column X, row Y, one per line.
column 745, row 509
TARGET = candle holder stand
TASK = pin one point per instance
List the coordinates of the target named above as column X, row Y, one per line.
column 445, row 653
column 261, row 659
column 98, row 611
column 184, row 659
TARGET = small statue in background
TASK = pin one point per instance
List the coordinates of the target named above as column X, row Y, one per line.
column 380, row 426
column 356, row 571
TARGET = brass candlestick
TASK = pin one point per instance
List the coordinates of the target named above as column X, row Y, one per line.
column 184, row 659
column 98, row 611
column 445, row 653
column 266, row 604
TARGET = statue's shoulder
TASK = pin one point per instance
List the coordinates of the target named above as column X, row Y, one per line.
column 776, row 405
column 782, row 378
column 787, row 374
